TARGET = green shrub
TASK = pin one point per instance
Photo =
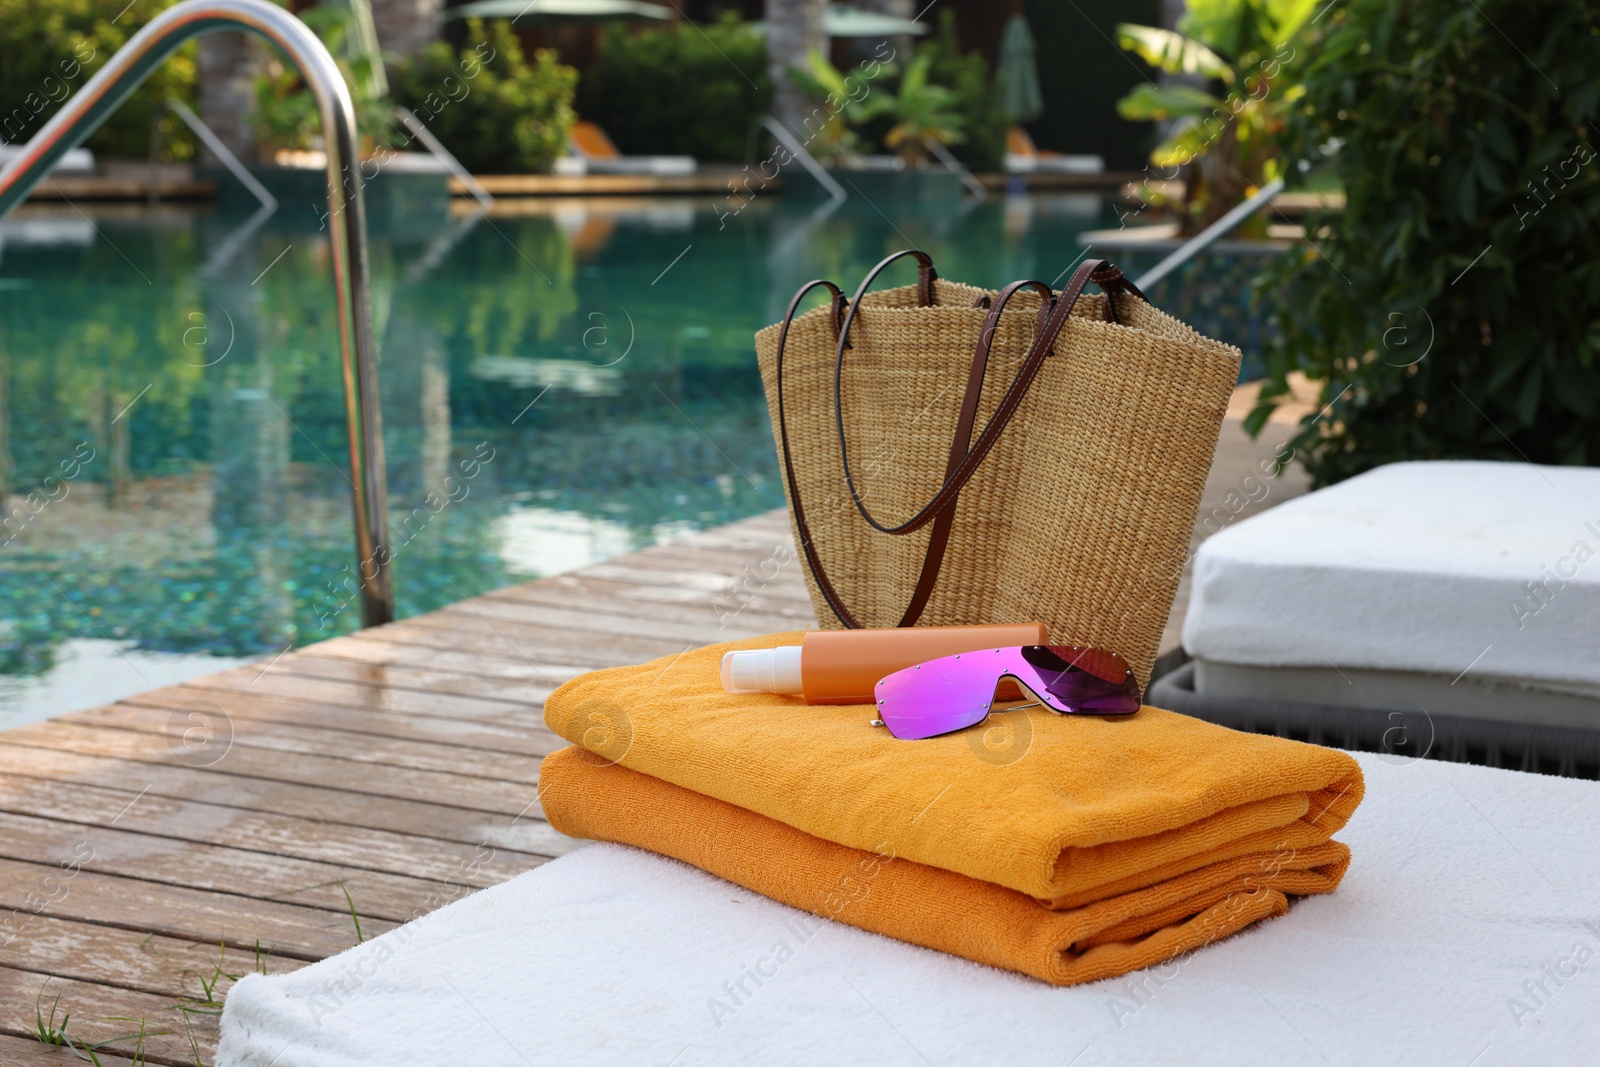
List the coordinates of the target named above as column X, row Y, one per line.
column 675, row 91
column 967, row 77
column 935, row 93
column 50, row 48
column 286, row 114
column 493, row 110
column 1454, row 310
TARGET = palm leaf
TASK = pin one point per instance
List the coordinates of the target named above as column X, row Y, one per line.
column 1287, row 17
column 916, row 77
column 1184, row 146
column 819, row 77
column 1172, row 52
column 1154, row 103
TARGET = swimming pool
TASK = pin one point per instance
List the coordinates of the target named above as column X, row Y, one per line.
column 563, row 381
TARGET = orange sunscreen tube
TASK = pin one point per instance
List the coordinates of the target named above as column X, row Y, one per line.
column 843, row 666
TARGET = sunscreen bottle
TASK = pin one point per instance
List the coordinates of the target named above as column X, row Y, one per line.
column 843, row 666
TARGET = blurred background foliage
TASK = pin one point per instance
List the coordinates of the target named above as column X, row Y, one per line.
column 963, row 82
column 654, row 90
column 497, row 112
column 1454, row 308
column 966, row 75
column 670, row 91
column 1231, row 62
column 286, row 115
column 51, row 49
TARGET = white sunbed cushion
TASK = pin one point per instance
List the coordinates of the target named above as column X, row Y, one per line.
column 1467, row 931
column 1427, row 567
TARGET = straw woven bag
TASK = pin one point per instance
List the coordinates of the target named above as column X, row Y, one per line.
column 1038, row 459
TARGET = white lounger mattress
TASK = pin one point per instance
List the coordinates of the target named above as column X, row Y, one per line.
column 1490, row 570
column 1467, row 932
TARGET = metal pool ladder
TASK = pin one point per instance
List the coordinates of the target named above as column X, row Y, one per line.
column 123, row 73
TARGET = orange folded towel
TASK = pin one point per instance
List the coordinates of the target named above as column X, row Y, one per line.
column 1075, row 810
column 587, row 796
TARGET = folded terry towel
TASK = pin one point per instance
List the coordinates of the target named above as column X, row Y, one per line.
column 587, row 796
column 1075, row 810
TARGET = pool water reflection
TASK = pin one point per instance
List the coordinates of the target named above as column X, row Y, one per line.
column 562, row 382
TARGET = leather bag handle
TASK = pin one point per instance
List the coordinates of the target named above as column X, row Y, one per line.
column 1052, row 319
column 835, row 317
column 962, row 462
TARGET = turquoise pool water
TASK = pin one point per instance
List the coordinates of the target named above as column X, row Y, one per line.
column 575, row 378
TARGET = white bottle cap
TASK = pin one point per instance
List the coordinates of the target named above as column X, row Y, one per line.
column 762, row 670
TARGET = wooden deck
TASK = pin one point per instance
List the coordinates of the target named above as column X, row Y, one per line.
column 709, row 180
column 271, row 815
column 720, row 179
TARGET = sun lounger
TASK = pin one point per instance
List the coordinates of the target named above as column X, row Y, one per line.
column 1447, row 603
column 593, row 153
column 1445, row 941
column 76, row 160
column 1022, row 157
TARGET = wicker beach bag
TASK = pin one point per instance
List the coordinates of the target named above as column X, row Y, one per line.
column 953, row 455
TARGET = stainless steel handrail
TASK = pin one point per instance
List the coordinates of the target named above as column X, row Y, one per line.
column 223, row 153
column 444, row 155
column 123, row 72
column 956, row 167
column 804, row 158
column 1210, row 235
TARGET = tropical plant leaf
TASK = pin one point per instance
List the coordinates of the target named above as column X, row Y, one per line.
column 1159, row 102
column 1185, row 146
column 1245, row 28
column 1171, row 51
column 819, row 77
column 916, row 78
column 1287, row 17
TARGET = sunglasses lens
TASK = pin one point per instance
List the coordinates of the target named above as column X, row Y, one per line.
column 1106, row 666
column 1079, row 679
column 955, row 692
column 942, row 695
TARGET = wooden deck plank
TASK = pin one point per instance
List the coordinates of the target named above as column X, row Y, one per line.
column 709, row 180
column 342, row 694
column 716, row 570
column 101, row 1013
column 399, row 674
column 699, row 578
column 559, row 605
column 529, row 834
column 591, row 605
column 27, row 1052
column 205, row 916
column 536, row 639
column 344, row 745
column 273, row 833
column 501, row 612
column 524, row 734
column 449, row 654
column 235, row 871
column 513, row 630
column 145, row 963
column 278, row 765
column 697, row 570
